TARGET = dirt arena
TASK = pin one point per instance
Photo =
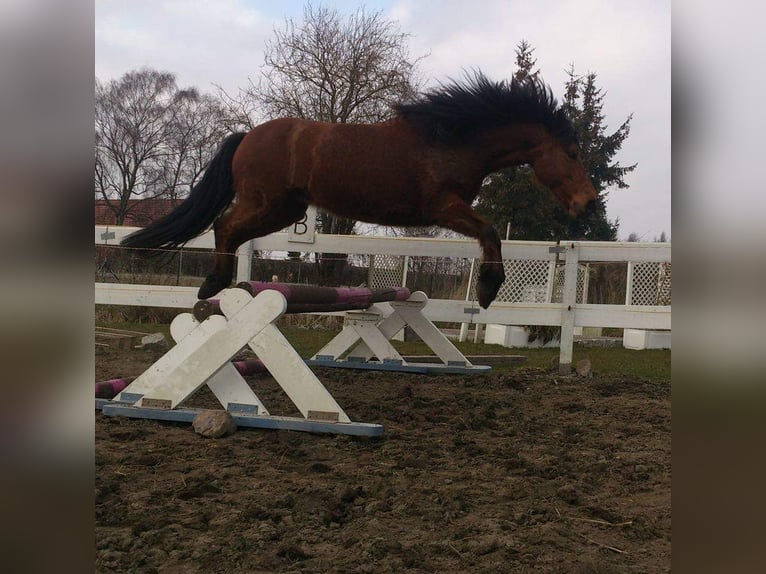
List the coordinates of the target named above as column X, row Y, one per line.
column 515, row 471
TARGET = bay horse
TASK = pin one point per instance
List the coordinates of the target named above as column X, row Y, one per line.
column 422, row 167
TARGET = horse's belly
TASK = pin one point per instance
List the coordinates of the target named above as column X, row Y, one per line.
column 382, row 206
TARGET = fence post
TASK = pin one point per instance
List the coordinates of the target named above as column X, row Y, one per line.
column 629, row 285
column 404, row 271
column 463, row 336
column 245, row 261
column 569, row 303
column 585, row 283
column 371, row 272
column 551, row 280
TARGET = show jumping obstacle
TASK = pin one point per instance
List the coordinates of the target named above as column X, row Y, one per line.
column 209, row 338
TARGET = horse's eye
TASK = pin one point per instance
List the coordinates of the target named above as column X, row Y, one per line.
column 572, row 154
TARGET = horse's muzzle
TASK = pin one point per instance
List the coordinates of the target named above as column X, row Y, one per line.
column 582, row 207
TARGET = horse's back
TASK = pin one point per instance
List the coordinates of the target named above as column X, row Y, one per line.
column 353, row 170
column 305, row 152
column 366, row 171
column 279, row 153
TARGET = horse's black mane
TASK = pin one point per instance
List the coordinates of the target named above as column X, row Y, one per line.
column 459, row 109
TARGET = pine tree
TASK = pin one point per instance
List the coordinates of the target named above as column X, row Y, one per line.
column 513, row 197
column 525, row 62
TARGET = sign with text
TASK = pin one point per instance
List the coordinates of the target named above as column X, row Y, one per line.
column 303, row 231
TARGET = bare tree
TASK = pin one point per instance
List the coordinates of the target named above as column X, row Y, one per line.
column 329, row 69
column 195, row 128
column 130, row 118
column 333, row 69
column 152, row 139
column 240, row 112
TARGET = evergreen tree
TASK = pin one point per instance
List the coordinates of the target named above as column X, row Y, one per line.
column 514, row 197
column 525, row 62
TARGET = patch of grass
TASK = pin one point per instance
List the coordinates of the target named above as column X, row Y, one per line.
column 308, row 341
column 650, row 364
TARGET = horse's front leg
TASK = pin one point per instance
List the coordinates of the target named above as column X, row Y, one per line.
column 491, row 272
column 455, row 214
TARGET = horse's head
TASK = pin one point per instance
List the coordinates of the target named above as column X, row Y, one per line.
column 558, row 165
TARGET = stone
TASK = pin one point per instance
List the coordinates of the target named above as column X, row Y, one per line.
column 154, row 342
column 214, row 424
column 584, row 369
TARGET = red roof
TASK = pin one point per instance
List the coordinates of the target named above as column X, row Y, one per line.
column 141, row 212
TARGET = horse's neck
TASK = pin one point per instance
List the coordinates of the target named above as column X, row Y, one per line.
column 508, row 146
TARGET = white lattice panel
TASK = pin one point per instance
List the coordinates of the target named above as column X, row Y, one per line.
column 582, row 284
column 650, row 284
column 386, row 271
column 526, row 280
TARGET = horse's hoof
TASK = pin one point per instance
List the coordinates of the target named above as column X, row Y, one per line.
column 211, row 286
column 490, row 280
column 487, row 294
column 487, row 290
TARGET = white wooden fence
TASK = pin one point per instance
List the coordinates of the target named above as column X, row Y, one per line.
column 567, row 314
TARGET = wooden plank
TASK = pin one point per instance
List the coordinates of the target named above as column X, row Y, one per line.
column 120, row 331
column 169, row 296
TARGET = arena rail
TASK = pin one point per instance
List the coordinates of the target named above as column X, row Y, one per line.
column 568, row 314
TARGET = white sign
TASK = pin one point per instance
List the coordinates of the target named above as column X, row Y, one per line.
column 303, row 231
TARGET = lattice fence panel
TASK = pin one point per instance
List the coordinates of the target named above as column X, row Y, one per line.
column 651, row 284
column 526, row 280
column 386, row 271
column 558, row 284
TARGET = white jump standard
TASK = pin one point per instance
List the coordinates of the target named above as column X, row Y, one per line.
column 367, row 334
column 202, row 356
column 373, row 317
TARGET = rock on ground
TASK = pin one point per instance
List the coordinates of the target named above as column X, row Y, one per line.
column 214, row 424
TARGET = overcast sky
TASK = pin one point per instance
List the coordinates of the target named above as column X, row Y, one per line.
column 625, row 42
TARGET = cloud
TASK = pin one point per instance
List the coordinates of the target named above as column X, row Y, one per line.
column 203, row 43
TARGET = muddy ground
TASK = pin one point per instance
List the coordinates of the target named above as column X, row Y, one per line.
column 516, row 471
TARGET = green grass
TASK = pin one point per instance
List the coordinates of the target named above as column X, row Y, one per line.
column 649, row 364
column 652, row 364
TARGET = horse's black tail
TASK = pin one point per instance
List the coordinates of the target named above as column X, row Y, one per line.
column 208, row 198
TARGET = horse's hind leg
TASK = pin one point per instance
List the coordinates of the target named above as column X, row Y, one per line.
column 453, row 213
column 241, row 223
